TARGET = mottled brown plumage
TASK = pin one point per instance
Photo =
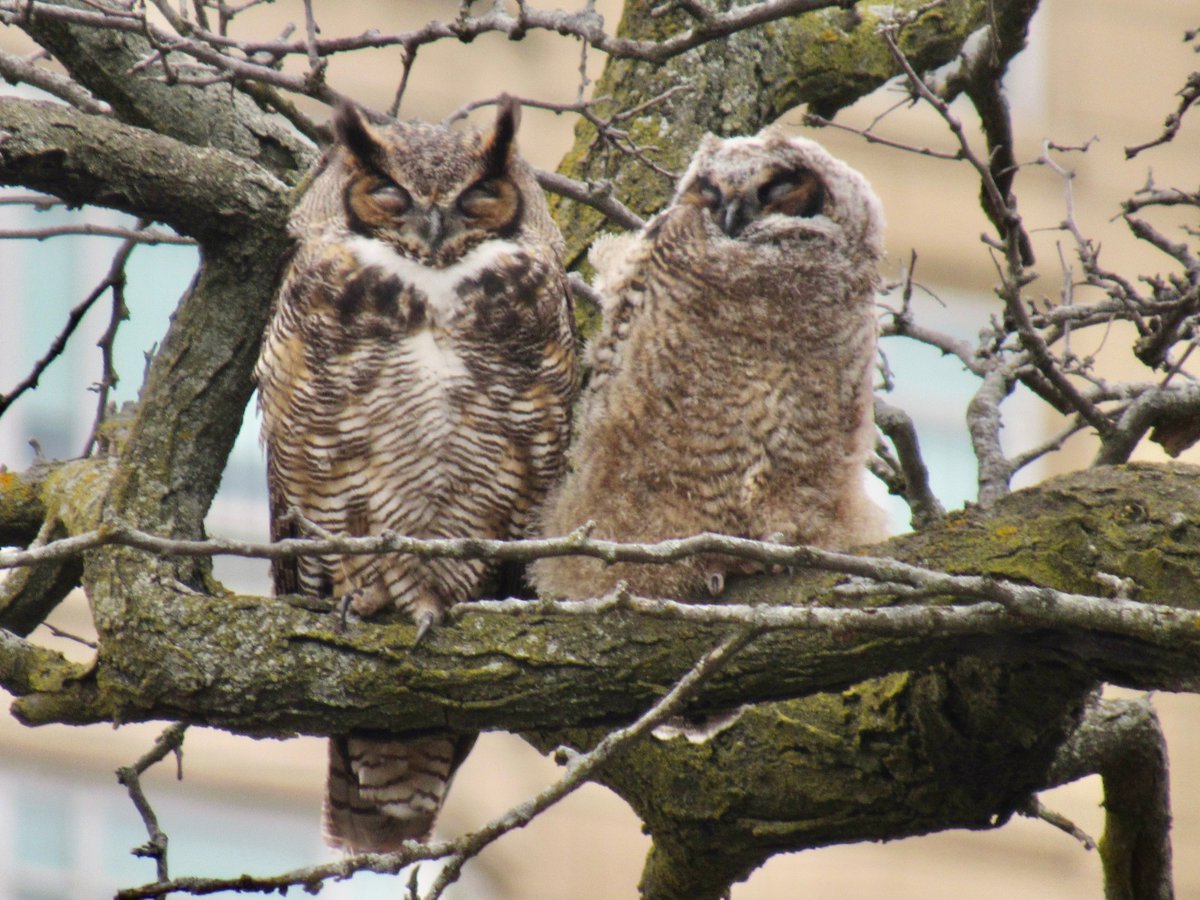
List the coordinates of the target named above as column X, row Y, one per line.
column 732, row 377
column 417, row 376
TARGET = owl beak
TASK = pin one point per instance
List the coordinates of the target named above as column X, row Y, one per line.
column 734, row 216
column 435, row 228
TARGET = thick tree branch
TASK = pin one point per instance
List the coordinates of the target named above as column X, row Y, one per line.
column 17, row 71
column 1121, row 741
column 28, row 595
column 101, row 46
column 827, row 58
column 579, row 768
column 88, row 159
column 545, row 665
column 26, row 668
column 22, row 509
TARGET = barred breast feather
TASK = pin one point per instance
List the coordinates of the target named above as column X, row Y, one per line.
column 416, row 377
column 732, row 376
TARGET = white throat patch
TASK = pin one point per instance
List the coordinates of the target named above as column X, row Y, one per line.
column 440, row 286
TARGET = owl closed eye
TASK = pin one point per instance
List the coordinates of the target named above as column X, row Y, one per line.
column 736, row 203
column 432, row 221
column 731, row 386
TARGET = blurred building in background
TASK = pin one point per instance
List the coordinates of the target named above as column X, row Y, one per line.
column 1104, row 68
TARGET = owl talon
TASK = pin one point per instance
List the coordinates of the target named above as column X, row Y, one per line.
column 345, row 606
column 424, row 623
column 715, row 582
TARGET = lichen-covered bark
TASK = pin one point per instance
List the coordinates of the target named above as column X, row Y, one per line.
column 888, row 758
column 109, row 64
column 1121, row 741
column 270, row 667
column 21, row 507
column 957, row 746
column 846, row 744
column 92, row 159
column 825, row 60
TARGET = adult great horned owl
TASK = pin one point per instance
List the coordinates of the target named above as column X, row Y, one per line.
column 732, row 376
column 416, row 376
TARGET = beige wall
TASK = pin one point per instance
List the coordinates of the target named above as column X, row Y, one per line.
column 1108, row 69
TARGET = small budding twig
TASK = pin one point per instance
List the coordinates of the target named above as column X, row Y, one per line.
column 1034, row 809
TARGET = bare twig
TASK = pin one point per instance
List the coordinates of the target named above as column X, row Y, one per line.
column 1050, row 445
column 904, row 326
column 1013, row 275
column 597, row 197
column 15, row 70
column 234, row 60
column 995, row 606
column 138, row 235
column 271, row 98
column 170, row 741
column 1188, row 96
column 1035, row 809
column 619, row 138
column 580, row 767
column 114, row 277
column 108, row 372
column 575, row 544
column 40, row 202
column 884, row 466
column 408, row 57
column 309, row 879
column 68, row 636
column 871, row 137
column 311, row 30
column 582, row 290
column 993, row 596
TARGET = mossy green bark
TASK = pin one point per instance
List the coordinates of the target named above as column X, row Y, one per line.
column 846, row 744
column 21, row 509
column 957, row 738
column 960, row 745
column 273, row 667
column 109, row 63
column 876, row 762
column 825, row 60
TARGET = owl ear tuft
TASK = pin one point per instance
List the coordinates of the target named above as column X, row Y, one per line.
column 356, row 135
column 498, row 146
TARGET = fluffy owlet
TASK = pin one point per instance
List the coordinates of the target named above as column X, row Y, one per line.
column 732, row 377
column 417, row 376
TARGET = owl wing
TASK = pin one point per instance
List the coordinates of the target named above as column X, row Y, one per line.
column 520, row 346
column 309, row 380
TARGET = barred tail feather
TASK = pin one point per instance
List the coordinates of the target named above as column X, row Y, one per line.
column 382, row 792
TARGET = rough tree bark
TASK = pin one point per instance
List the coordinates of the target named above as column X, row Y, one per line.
column 892, row 735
